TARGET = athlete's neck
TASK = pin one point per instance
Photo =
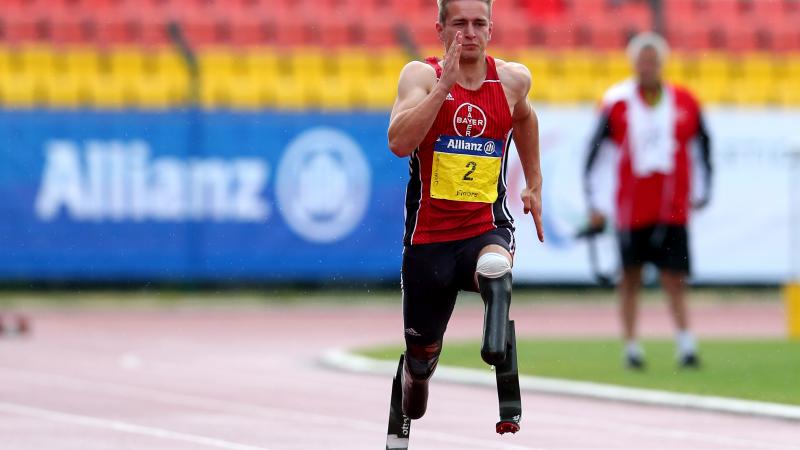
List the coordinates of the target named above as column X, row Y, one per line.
column 473, row 73
column 651, row 93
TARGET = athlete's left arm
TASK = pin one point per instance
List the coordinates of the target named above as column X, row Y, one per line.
column 526, row 138
column 704, row 141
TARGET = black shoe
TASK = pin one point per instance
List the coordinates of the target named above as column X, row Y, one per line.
column 415, row 396
column 634, row 362
column 689, row 361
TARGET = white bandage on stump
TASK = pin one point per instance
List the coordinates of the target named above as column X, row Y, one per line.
column 493, row 265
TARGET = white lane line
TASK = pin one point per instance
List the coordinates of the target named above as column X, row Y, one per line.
column 119, row 426
column 273, row 413
column 344, row 360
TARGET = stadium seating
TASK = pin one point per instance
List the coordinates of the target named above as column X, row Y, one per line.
column 344, row 54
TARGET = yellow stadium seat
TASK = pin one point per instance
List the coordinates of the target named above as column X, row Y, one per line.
column 353, row 63
column 262, row 62
column 338, row 93
column 6, row 56
column 390, row 64
column 169, row 63
column 759, row 67
column 679, row 68
column 214, row 90
column 245, row 92
column 307, row 63
column 746, row 92
column 108, row 91
column 789, row 69
column 65, row 91
column 37, row 60
column 536, row 62
column 216, row 61
column 127, row 62
column 19, row 91
column 179, row 86
column 152, row 92
column 710, row 91
column 290, row 93
column 81, row 62
column 788, row 93
column 618, row 66
column 713, row 66
column 379, row 92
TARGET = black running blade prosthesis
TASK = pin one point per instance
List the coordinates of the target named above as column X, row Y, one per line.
column 508, row 393
column 399, row 425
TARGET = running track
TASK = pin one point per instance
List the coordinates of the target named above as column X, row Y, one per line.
column 248, row 379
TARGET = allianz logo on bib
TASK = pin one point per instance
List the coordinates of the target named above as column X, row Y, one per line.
column 469, row 146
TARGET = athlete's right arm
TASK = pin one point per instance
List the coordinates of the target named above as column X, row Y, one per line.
column 419, row 98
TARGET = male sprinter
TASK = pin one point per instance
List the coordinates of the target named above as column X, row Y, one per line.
column 454, row 118
column 653, row 124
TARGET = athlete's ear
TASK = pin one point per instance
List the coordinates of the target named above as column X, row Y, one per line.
column 491, row 25
column 440, row 33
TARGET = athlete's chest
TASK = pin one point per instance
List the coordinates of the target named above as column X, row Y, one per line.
column 475, row 113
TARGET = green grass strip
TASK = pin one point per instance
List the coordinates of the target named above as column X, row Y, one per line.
column 765, row 370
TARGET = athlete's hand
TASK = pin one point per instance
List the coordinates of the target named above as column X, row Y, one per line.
column 532, row 203
column 597, row 220
column 451, row 63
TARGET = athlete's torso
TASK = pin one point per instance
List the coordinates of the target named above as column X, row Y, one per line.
column 663, row 196
column 457, row 187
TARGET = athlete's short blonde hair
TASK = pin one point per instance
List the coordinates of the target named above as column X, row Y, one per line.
column 443, row 8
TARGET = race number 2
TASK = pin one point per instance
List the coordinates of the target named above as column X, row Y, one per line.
column 466, row 169
column 473, row 166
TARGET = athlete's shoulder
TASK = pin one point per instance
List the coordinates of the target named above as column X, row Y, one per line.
column 514, row 76
column 418, row 69
column 684, row 96
column 416, row 75
column 619, row 93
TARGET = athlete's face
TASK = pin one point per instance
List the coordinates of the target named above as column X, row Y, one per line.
column 471, row 18
column 648, row 68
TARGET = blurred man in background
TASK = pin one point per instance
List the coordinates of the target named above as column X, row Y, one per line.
column 454, row 118
column 653, row 126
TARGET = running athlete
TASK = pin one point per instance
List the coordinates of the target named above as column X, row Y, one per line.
column 653, row 125
column 454, row 118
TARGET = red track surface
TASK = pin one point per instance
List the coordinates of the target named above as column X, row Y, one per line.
column 249, row 380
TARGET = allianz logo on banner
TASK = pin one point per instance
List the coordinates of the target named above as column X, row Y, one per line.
column 322, row 185
column 115, row 180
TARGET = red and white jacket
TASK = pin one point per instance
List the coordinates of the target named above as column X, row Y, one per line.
column 654, row 157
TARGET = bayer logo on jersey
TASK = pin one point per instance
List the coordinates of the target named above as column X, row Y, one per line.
column 469, row 120
column 323, row 185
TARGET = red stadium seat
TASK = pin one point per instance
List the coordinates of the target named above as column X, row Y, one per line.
column 610, row 36
column 545, row 10
column 560, row 35
column 246, row 30
column 19, row 27
column 784, row 37
column 511, row 35
column 741, row 38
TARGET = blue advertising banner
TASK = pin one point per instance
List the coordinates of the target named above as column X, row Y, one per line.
column 199, row 196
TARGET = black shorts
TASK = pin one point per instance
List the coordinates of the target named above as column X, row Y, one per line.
column 432, row 276
column 665, row 246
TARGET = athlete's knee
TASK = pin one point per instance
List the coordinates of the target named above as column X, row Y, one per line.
column 493, row 265
column 421, row 360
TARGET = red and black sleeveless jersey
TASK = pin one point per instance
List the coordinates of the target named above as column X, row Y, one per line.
column 457, row 186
